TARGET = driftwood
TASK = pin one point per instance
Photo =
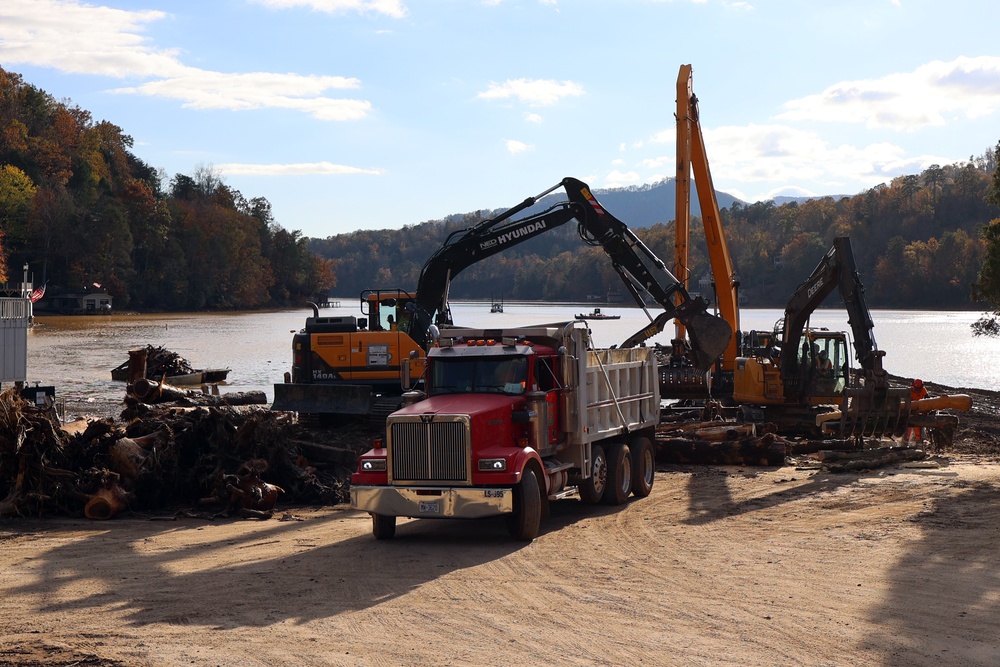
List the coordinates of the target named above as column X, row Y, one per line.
column 767, row 449
column 151, row 391
column 231, row 398
column 164, row 458
column 813, row 446
column 127, row 458
column 107, row 502
column 136, row 365
column 867, row 459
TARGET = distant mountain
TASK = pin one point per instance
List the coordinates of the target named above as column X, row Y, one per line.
column 778, row 201
column 637, row 206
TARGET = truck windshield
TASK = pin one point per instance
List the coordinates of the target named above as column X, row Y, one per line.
column 487, row 375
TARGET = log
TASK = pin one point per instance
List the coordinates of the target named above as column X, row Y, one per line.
column 869, row 454
column 136, row 365
column 127, row 458
column 157, row 438
column 151, row 391
column 725, row 432
column 870, row 459
column 813, row 446
column 106, row 503
column 762, row 450
column 234, row 398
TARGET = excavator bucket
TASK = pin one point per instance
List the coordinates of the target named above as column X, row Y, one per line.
column 710, row 336
column 337, row 399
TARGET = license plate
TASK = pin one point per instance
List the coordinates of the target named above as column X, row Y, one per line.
column 430, row 506
column 494, row 493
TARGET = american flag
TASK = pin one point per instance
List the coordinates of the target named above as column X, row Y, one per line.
column 37, row 294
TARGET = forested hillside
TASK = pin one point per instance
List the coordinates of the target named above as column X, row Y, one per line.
column 78, row 207
column 917, row 240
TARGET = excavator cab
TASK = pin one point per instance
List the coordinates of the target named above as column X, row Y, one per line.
column 824, row 365
column 388, row 310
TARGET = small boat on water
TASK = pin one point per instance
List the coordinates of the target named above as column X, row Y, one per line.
column 206, row 376
column 162, row 364
column 497, row 306
column 597, row 315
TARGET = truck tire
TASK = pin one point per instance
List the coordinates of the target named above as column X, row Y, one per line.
column 619, row 475
column 592, row 488
column 643, row 466
column 525, row 521
column 383, row 527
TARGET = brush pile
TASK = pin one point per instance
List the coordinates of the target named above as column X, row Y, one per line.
column 204, row 460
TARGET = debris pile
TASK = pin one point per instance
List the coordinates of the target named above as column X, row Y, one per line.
column 685, row 437
column 194, row 460
column 160, row 362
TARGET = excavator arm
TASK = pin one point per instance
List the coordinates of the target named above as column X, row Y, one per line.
column 692, row 158
column 640, row 269
column 643, row 272
column 465, row 247
column 837, row 270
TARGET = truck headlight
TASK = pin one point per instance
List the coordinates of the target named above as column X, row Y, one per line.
column 373, row 465
column 492, row 465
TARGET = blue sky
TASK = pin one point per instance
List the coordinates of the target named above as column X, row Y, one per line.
column 370, row 114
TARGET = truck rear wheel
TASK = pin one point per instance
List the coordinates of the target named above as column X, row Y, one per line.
column 619, row 475
column 525, row 522
column 592, row 488
column 383, row 527
column 643, row 466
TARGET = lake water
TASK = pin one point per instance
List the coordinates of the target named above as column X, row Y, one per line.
column 76, row 354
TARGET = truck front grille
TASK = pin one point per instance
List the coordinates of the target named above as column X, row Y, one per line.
column 436, row 451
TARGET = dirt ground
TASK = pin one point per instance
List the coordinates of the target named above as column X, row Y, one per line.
column 718, row 566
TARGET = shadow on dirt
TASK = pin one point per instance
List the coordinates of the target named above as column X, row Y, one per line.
column 709, row 497
column 944, row 595
column 219, row 576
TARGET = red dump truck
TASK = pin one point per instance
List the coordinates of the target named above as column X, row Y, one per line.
column 512, row 419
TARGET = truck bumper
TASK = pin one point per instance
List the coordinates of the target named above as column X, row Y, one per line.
column 433, row 502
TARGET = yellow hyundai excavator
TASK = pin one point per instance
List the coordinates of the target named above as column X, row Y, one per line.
column 356, row 367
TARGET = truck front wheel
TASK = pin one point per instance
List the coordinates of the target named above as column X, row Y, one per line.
column 592, row 488
column 525, row 521
column 619, row 474
column 383, row 527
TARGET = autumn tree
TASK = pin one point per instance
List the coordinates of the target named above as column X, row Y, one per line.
column 987, row 287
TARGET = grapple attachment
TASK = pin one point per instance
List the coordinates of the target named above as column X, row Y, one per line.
column 868, row 413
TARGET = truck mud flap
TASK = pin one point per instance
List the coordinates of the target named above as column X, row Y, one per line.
column 348, row 399
column 868, row 414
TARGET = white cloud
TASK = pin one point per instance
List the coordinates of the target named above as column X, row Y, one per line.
column 532, row 117
column 391, row 8
column 297, row 169
column 619, row 179
column 535, row 92
column 780, row 154
column 514, row 146
column 201, row 89
column 82, row 39
column 929, row 95
column 657, row 162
